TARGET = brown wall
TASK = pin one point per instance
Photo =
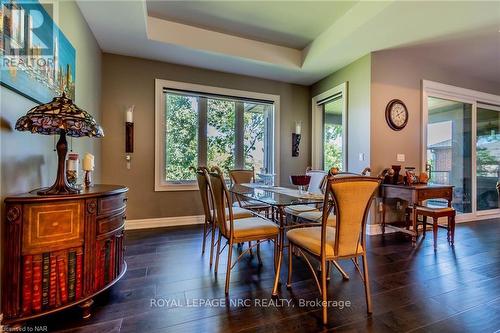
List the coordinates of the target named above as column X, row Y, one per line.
column 357, row 76
column 27, row 161
column 127, row 81
column 398, row 74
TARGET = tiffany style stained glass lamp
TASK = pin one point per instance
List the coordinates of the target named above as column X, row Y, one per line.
column 60, row 116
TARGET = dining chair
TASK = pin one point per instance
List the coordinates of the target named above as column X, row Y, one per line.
column 256, row 228
column 209, row 226
column 315, row 215
column 351, row 198
column 242, row 176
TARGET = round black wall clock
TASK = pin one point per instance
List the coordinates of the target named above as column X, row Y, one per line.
column 396, row 114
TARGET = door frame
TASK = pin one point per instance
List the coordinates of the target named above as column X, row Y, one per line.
column 317, row 125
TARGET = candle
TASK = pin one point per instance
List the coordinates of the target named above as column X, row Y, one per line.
column 88, row 162
column 298, row 127
column 130, row 114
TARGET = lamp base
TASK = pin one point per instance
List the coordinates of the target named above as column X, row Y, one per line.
column 61, row 186
column 58, row 190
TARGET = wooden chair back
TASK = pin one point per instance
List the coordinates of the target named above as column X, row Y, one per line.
column 351, row 198
column 205, row 193
column 240, row 176
column 222, row 200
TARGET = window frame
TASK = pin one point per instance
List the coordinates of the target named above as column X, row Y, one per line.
column 160, row 85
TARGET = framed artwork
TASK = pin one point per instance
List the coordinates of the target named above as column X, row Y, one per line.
column 38, row 61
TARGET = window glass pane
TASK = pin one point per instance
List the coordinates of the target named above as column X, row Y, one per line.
column 332, row 134
column 220, row 133
column 181, row 115
column 212, row 130
column 449, row 148
column 255, row 136
column 488, row 157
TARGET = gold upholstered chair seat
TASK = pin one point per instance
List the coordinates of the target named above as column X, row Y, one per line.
column 239, row 213
column 253, row 227
column 316, row 216
column 310, row 240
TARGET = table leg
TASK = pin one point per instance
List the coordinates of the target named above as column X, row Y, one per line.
column 280, row 250
column 452, row 230
column 383, row 216
column 414, row 225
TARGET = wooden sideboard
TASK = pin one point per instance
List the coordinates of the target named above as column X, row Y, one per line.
column 59, row 251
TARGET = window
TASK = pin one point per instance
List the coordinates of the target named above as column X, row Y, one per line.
column 199, row 125
column 181, row 136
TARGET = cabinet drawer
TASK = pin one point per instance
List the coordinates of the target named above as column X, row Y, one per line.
column 52, row 227
column 111, row 204
column 110, row 224
column 444, row 193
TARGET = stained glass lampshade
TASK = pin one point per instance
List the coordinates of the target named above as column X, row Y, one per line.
column 60, row 117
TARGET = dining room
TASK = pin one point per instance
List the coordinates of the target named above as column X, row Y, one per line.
column 240, row 166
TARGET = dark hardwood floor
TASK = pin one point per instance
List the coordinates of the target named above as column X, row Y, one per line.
column 456, row 289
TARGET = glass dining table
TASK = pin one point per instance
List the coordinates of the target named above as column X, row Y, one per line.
column 277, row 198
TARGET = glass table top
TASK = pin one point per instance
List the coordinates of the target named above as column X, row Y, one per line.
column 275, row 195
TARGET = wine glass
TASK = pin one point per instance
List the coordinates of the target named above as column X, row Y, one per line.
column 302, row 181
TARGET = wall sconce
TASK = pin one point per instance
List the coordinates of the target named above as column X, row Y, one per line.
column 129, row 134
column 296, row 138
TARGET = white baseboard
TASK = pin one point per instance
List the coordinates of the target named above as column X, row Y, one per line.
column 164, row 222
column 371, row 229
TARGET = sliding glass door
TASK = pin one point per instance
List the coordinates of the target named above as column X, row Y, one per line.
column 487, row 156
column 462, row 146
column 449, row 130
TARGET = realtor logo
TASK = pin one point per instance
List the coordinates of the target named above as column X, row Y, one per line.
column 26, row 29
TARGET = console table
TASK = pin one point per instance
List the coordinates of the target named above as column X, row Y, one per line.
column 61, row 250
column 414, row 195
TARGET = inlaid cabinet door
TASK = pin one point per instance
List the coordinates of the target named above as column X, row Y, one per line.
column 53, row 226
